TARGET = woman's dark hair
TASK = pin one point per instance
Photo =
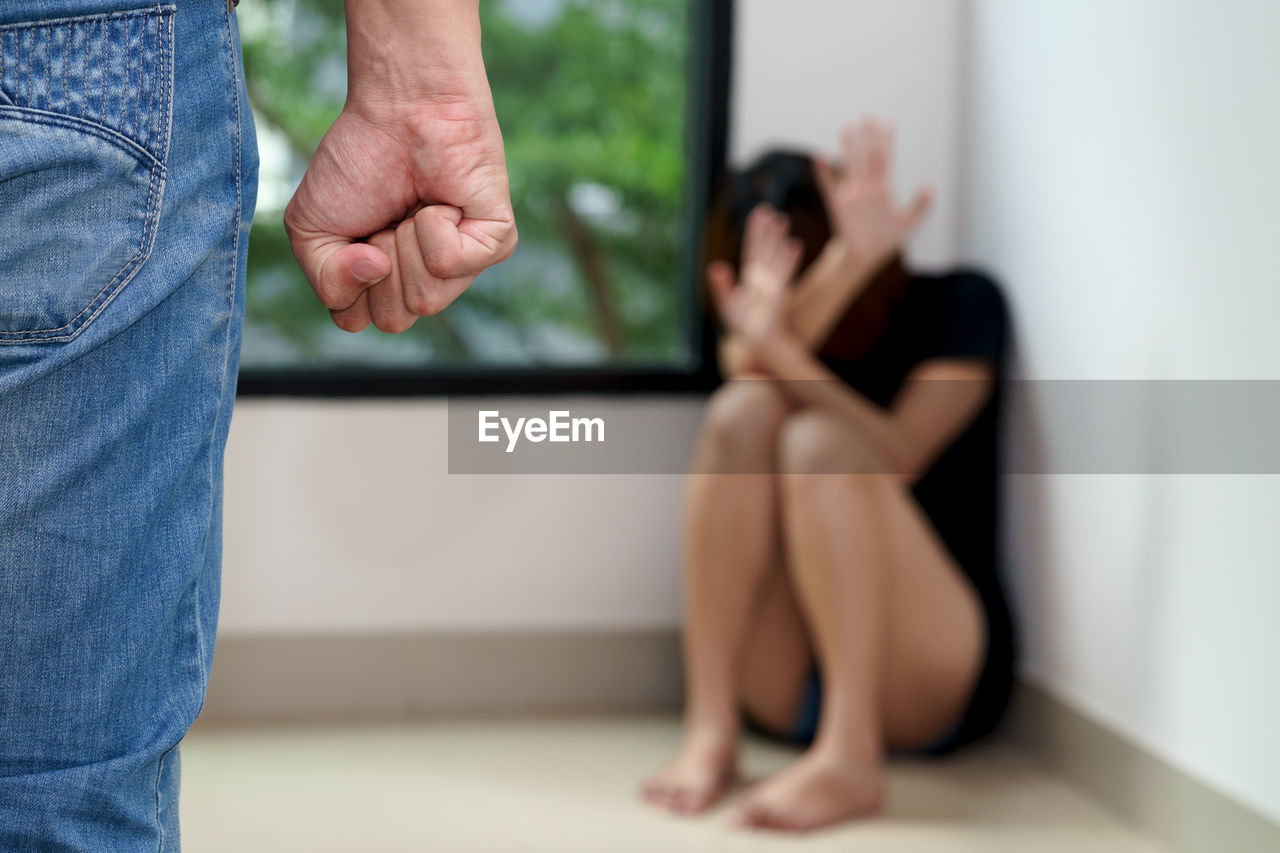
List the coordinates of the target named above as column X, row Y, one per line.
column 786, row 180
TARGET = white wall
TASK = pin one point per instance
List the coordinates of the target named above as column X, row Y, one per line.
column 340, row 516
column 804, row 67
column 1125, row 185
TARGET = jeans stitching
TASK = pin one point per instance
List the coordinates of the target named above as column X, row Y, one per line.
column 86, row 126
column 48, row 62
column 142, row 78
column 4, row 98
column 156, row 189
column 151, row 78
column 154, row 10
column 106, row 67
column 124, row 102
column 33, row 38
column 123, row 277
column 226, row 352
column 160, row 772
column 35, row 31
column 54, row 119
column 167, row 71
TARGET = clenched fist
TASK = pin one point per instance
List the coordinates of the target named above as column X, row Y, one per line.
column 406, row 198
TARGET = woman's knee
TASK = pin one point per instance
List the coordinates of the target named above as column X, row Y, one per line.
column 817, row 443
column 744, row 416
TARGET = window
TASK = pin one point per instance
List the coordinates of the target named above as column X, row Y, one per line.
column 613, row 114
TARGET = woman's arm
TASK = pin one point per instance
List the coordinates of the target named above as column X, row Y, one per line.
column 826, row 290
column 870, row 230
column 938, row 401
column 814, row 305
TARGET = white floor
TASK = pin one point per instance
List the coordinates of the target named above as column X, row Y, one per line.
column 568, row 786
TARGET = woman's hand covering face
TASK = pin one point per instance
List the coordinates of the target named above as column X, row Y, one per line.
column 754, row 306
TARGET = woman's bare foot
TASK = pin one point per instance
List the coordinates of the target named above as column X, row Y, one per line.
column 703, row 771
column 823, row 788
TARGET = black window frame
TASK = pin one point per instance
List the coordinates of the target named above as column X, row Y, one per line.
column 707, row 126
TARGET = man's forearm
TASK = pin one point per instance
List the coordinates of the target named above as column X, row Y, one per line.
column 414, row 52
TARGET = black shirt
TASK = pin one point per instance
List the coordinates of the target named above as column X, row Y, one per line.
column 960, row 315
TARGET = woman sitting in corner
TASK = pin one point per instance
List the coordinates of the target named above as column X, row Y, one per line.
column 841, row 586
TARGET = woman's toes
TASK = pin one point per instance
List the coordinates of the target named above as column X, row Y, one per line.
column 814, row 793
column 658, row 792
column 693, row 801
column 748, row 816
column 754, row 815
column 692, row 785
column 681, row 802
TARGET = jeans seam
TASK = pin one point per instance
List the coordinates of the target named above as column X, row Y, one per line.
column 93, row 128
column 226, row 351
column 124, row 102
column 168, row 50
column 235, row 235
column 166, row 85
column 94, row 17
column 159, row 773
column 231, row 297
column 106, row 66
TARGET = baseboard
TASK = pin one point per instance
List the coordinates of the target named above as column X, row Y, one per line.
column 1141, row 787
column 421, row 676
column 332, row 677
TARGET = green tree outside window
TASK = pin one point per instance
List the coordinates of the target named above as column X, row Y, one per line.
column 591, row 95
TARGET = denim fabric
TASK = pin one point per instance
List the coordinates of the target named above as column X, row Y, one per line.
column 127, row 180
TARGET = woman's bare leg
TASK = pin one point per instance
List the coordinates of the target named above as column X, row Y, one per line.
column 731, row 541
column 778, row 661
column 896, row 627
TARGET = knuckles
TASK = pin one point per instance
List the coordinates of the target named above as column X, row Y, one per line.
column 394, row 325
column 510, row 248
column 348, row 324
column 422, row 302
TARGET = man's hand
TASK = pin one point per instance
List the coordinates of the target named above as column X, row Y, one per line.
column 860, row 199
column 406, row 198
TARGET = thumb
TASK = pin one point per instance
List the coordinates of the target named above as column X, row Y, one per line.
column 339, row 270
column 827, row 177
column 911, row 218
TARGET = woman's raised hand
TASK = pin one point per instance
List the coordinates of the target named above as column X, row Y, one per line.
column 754, row 307
column 860, row 198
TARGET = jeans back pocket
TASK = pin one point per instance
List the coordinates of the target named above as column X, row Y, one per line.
column 85, row 107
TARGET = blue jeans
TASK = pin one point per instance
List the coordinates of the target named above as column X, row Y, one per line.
column 127, row 181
